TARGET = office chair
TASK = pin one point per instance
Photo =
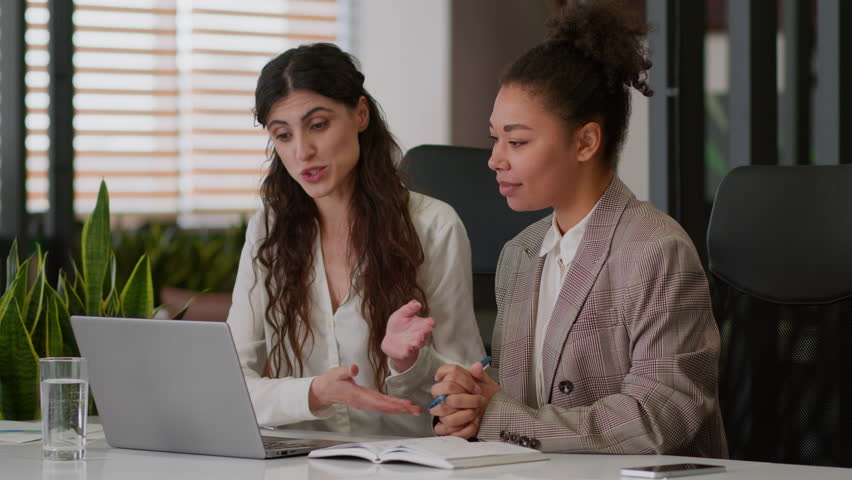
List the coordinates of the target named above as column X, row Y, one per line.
column 460, row 177
column 780, row 256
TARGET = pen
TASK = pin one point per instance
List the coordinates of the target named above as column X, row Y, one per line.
column 485, row 362
column 20, row 431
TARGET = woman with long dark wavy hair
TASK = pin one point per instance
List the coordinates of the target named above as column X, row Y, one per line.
column 340, row 261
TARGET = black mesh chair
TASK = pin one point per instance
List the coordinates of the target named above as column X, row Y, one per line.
column 460, row 177
column 780, row 256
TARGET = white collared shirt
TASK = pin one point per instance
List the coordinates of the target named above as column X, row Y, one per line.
column 558, row 251
column 341, row 337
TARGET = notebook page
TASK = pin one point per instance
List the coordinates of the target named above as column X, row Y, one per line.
column 454, row 447
column 367, row 450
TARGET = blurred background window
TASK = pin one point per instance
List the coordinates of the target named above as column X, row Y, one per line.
column 163, row 97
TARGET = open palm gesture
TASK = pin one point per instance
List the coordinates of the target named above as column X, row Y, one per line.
column 405, row 335
column 337, row 386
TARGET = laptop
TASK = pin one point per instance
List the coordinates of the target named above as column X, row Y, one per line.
column 175, row 386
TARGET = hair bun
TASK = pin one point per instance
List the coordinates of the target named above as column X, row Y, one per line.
column 610, row 34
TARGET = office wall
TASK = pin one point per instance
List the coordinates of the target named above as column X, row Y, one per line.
column 487, row 36
column 404, row 49
column 633, row 165
column 434, row 66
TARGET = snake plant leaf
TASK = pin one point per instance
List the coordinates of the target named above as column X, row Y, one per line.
column 4, row 300
column 38, row 335
column 62, row 289
column 182, row 312
column 19, row 288
column 19, row 396
column 112, row 272
column 137, row 298
column 33, row 303
column 112, row 302
column 12, row 263
column 75, row 301
column 112, row 305
column 76, row 306
column 47, row 337
column 4, row 303
column 79, row 281
column 54, row 346
column 95, row 248
column 70, row 348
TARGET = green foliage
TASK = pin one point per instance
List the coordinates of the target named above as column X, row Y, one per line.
column 137, row 298
column 18, row 360
column 95, row 253
column 35, row 318
column 197, row 260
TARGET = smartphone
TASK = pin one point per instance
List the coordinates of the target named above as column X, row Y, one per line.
column 671, row 470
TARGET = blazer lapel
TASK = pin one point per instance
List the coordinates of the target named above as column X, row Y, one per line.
column 518, row 333
column 581, row 276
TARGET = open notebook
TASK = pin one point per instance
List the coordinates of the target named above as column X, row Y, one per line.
column 439, row 452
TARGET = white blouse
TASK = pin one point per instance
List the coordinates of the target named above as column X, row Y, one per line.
column 341, row 338
column 558, row 251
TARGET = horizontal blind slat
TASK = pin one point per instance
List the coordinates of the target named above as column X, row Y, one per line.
column 286, row 16
column 101, row 29
column 165, row 135
column 99, row 112
column 169, row 12
column 132, row 51
column 113, row 173
column 108, row 133
column 110, row 153
column 114, row 91
column 292, row 35
column 227, row 151
column 241, row 53
column 114, row 71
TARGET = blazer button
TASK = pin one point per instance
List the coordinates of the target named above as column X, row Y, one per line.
column 504, row 435
column 534, row 443
column 525, row 442
column 565, row 387
column 513, row 437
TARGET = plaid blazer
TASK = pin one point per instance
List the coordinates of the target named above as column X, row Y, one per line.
column 631, row 352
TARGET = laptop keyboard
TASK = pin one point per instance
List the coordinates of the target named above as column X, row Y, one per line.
column 277, row 443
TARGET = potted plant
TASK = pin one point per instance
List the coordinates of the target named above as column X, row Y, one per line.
column 193, row 266
column 35, row 316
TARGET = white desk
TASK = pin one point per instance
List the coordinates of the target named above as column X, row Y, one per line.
column 24, row 462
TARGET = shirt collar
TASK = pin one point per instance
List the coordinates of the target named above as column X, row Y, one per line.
column 551, row 238
column 567, row 244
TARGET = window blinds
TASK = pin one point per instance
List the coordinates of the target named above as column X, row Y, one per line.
column 163, row 98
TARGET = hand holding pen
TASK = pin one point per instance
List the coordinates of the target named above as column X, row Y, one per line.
column 485, row 362
column 461, row 397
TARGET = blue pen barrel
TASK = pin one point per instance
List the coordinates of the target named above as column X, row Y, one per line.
column 485, row 362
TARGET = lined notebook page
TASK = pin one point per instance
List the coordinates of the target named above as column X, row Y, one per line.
column 448, row 447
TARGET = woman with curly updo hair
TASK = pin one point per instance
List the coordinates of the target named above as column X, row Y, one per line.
column 341, row 259
column 605, row 340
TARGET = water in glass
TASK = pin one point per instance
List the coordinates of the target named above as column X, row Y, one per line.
column 64, row 422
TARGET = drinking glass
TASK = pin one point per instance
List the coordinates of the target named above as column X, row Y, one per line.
column 64, row 407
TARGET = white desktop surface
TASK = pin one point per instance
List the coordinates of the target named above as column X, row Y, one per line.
column 24, row 461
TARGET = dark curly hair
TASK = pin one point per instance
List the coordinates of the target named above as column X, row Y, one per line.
column 584, row 69
column 383, row 237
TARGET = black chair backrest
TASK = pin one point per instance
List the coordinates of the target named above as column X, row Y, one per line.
column 460, row 177
column 780, row 256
